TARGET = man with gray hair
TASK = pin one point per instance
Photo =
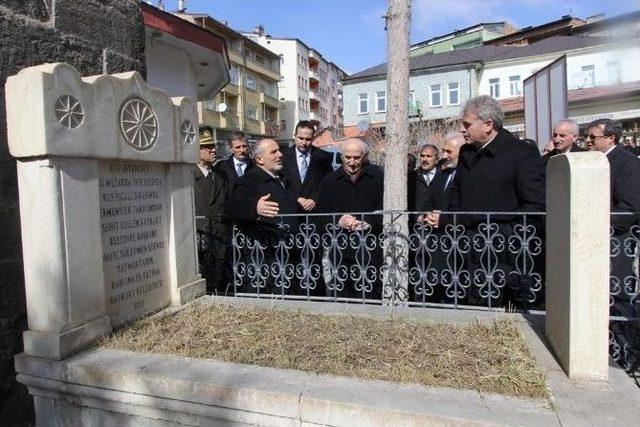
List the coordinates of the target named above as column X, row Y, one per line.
column 496, row 172
column 565, row 134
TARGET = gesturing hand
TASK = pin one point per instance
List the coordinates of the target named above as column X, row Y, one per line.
column 267, row 208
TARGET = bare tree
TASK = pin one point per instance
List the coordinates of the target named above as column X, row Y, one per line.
column 398, row 21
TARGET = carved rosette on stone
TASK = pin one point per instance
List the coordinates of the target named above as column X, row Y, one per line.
column 104, row 174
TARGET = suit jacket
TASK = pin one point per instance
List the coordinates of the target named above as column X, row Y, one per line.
column 438, row 195
column 319, row 168
column 254, row 184
column 506, row 175
column 209, row 195
column 422, row 188
column 338, row 194
column 226, row 167
column 550, row 154
column 625, row 177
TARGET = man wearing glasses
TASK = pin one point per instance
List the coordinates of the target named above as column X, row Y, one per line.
column 603, row 135
column 565, row 133
column 305, row 166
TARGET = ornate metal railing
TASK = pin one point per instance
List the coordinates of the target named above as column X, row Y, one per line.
column 624, row 293
column 474, row 260
column 478, row 259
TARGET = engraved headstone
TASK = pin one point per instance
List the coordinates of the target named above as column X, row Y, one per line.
column 106, row 203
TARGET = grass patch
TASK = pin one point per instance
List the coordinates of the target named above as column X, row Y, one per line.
column 490, row 358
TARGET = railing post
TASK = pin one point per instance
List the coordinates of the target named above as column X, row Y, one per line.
column 577, row 263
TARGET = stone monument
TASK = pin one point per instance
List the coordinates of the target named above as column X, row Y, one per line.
column 106, row 202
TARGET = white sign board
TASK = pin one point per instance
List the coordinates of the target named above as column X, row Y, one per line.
column 545, row 101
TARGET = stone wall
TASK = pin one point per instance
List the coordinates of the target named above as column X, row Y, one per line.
column 94, row 36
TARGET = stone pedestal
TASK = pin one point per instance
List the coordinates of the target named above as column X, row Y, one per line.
column 106, row 202
column 577, row 262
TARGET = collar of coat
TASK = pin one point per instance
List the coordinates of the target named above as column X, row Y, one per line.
column 492, row 148
column 266, row 176
column 342, row 174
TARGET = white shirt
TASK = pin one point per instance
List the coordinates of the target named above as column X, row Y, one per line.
column 488, row 142
column 609, row 150
column 428, row 177
column 301, row 157
column 237, row 163
column 205, row 170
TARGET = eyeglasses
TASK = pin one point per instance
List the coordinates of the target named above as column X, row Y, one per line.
column 303, row 138
column 595, row 137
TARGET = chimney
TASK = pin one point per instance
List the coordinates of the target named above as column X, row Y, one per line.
column 182, row 6
column 259, row 30
column 160, row 5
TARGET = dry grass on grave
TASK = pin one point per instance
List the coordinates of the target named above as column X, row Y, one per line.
column 491, row 358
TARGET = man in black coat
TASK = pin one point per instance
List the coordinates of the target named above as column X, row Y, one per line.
column 496, row 172
column 565, row 134
column 305, row 166
column 258, row 198
column 239, row 162
column 425, row 175
column 353, row 190
column 209, row 192
column 604, row 135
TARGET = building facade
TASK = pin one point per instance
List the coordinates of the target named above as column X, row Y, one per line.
column 465, row 38
column 249, row 102
column 310, row 88
column 603, row 80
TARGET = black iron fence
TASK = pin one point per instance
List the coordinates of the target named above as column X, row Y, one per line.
column 472, row 260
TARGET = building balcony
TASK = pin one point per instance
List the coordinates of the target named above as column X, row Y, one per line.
column 268, row 100
column 263, row 69
column 313, row 75
column 314, row 95
column 252, row 126
column 229, row 120
column 268, row 129
column 314, row 57
column 232, row 89
column 314, row 116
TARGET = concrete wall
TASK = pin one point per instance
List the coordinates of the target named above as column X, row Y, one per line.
column 94, row 36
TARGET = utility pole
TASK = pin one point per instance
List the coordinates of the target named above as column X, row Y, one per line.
column 396, row 248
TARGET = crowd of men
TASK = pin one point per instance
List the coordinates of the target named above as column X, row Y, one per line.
column 483, row 167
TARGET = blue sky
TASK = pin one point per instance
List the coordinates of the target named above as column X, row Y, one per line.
column 351, row 32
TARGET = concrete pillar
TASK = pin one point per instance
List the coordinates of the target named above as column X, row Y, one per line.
column 577, row 288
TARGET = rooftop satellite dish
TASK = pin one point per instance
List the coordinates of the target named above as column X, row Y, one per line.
column 221, row 108
column 363, row 125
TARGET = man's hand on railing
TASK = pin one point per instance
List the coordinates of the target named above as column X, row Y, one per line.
column 306, row 204
column 350, row 223
column 432, row 218
column 267, row 208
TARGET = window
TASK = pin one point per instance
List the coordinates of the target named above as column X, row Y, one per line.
column 411, row 97
column 363, row 103
column 494, row 88
column 514, row 86
column 588, row 76
column 453, row 93
column 250, row 81
column 251, row 112
column 614, row 73
column 234, row 74
column 436, row 95
column 381, row 101
column 283, row 125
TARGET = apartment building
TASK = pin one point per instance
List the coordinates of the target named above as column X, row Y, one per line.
column 311, row 86
column 250, row 101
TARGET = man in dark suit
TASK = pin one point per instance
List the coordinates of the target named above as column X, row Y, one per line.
column 239, row 162
column 209, row 192
column 565, row 134
column 604, row 135
column 258, row 198
column 426, row 287
column 425, row 174
column 352, row 190
column 496, row 172
column 305, row 166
